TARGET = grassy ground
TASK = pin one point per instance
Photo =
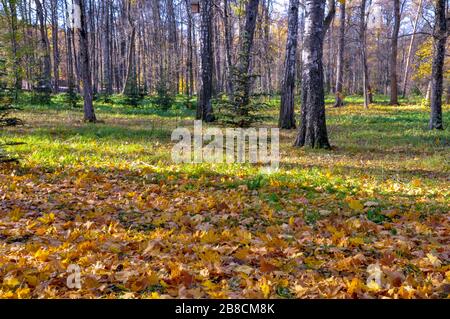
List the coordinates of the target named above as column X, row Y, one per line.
column 108, row 198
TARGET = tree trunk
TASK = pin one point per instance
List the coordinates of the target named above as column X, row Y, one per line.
column 363, row 44
column 267, row 51
column 130, row 85
column 242, row 93
column 411, row 44
column 46, row 78
column 313, row 129
column 287, row 110
column 394, row 53
column 440, row 38
column 85, row 71
column 106, row 43
column 228, row 44
column 173, row 49
column 341, row 55
column 55, row 41
column 10, row 8
column 190, row 54
column 70, row 73
column 204, row 108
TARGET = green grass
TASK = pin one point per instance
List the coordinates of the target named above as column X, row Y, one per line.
column 382, row 142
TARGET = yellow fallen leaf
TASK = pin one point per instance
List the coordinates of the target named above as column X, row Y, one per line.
column 155, row 295
column 354, row 286
column 153, row 279
column 242, row 253
column 32, row 280
column 356, row 241
column 23, row 293
column 47, row 218
column 416, row 182
column 41, row 255
column 313, row 263
column 373, row 286
column 265, row 288
column 11, row 282
column 355, row 205
column 16, row 214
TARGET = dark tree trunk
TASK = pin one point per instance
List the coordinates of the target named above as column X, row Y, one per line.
column 106, row 43
column 85, row 71
column 46, row 77
column 363, row 44
column 228, row 44
column 242, row 93
column 70, row 72
column 440, row 38
column 313, row 129
column 340, row 58
column 287, row 109
column 130, row 84
column 330, row 16
column 204, row 108
column 267, row 51
column 55, row 41
column 190, row 52
column 394, row 53
column 174, row 76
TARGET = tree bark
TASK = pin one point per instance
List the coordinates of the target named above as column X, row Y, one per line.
column 267, row 50
column 313, row 129
column 204, row 108
column 440, row 38
column 190, row 52
column 411, row 44
column 55, row 41
column 106, row 43
column 242, row 93
column 394, row 53
column 228, row 48
column 363, row 44
column 70, row 72
column 85, row 71
column 287, row 109
column 174, row 76
column 46, row 78
column 130, row 85
column 341, row 54
column 330, row 16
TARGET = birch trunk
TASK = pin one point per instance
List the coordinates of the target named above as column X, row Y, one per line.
column 394, row 52
column 341, row 55
column 313, row 130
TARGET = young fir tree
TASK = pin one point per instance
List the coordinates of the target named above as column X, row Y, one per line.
column 6, row 107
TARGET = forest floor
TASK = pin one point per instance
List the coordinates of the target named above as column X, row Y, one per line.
column 108, row 198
